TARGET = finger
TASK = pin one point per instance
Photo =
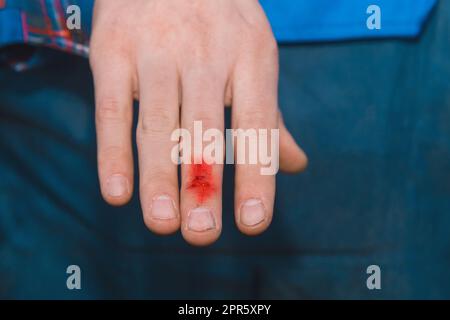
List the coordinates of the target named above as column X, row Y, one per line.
column 201, row 192
column 113, row 95
column 292, row 158
column 255, row 109
column 158, row 118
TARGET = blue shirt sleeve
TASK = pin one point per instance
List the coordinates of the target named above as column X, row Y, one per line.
column 10, row 27
column 291, row 20
column 331, row 20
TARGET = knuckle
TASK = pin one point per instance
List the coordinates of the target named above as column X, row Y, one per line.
column 156, row 122
column 252, row 118
column 107, row 51
column 266, row 46
column 157, row 179
column 109, row 110
column 261, row 42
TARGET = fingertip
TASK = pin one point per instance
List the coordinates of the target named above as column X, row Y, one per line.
column 296, row 162
column 162, row 217
column 303, row 162
column 292, row 158
column 253, row 217
column 201, row 227
column 201, row 239
column 117, row 189
column 162, row 227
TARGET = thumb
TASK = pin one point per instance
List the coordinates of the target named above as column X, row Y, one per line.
column 292, row 158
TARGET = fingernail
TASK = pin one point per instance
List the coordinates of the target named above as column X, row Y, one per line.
column 252, row 212
column 163, row 208
column 117, row 186
column 201, row 219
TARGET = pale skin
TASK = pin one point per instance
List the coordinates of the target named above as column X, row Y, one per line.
column 184, row 61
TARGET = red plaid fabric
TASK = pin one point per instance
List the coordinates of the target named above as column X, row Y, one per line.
column 43, row 22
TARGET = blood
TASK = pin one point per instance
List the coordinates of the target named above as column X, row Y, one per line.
column 201, row 181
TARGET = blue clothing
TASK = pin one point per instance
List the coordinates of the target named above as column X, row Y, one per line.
column 318, row 20
column 292, row 21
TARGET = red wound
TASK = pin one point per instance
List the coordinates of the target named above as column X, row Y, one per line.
column 201, row 181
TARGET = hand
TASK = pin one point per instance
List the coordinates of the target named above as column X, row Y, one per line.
column 200, row 55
